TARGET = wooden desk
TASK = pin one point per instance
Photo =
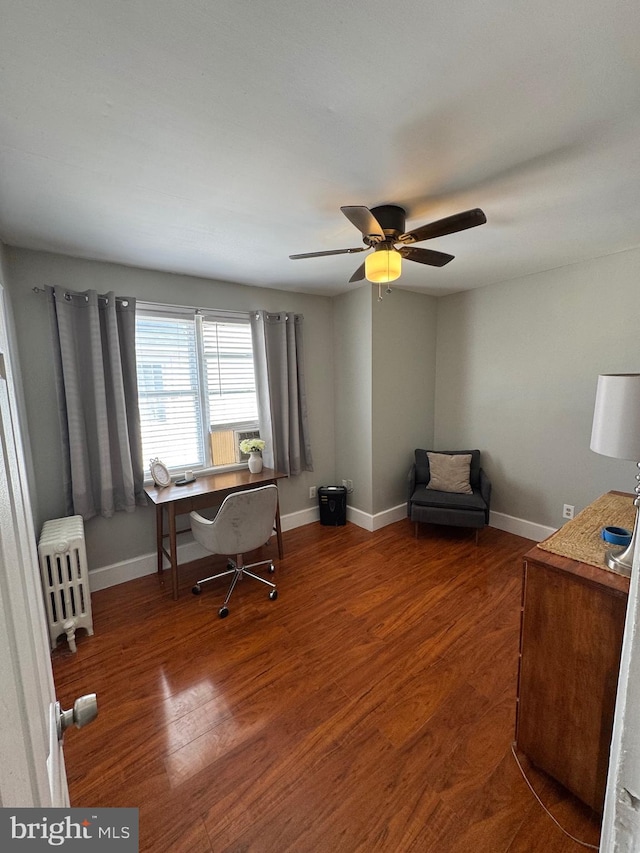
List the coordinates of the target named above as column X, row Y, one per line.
column 573, row 618
column 206, row 491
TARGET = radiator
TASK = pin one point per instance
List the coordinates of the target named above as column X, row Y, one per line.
column 65, row 578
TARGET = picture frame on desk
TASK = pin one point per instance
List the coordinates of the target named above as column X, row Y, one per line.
column 159, row 473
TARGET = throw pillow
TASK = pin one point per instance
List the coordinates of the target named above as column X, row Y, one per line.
column 450, row 473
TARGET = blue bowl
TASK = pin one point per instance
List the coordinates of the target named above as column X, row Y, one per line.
column 616, row 535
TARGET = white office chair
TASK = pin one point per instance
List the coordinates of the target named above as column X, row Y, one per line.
column 244, row 522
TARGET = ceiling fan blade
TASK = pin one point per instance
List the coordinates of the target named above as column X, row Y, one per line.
column 364, row 220
column 448, row 225
column 331, row 252
column 425, row 256
column 358, row 274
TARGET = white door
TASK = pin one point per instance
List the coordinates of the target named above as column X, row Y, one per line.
column 32, row 767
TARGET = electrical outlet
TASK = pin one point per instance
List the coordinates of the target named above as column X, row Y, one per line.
column 312, row 492
column 349, row 485
column 344, row 483
column 567, row 511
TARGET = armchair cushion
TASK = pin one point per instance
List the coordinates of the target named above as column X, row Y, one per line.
column 449, row 473
column 423, row 496
column 422, row 471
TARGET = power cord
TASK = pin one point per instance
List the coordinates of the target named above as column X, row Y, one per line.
column 568, row 834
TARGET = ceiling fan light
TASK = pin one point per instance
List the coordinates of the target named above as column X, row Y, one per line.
column 383, row 265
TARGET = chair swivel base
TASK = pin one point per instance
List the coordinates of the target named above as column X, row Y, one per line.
column 238, row 572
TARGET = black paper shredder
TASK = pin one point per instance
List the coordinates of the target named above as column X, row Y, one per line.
column 333, row 505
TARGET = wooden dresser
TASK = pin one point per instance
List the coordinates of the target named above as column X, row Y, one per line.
column 573, row 617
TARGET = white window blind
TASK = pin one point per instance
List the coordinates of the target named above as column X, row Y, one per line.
column 195, row 374
column 231, row 383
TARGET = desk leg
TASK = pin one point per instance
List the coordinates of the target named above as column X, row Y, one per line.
column 173, row 550
column 159, row 532
column 279, row 532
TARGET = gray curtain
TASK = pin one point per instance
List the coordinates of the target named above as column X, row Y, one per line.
column 97, row 389
column 281, row 387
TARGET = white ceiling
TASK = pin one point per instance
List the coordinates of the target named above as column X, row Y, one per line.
column 216, row 137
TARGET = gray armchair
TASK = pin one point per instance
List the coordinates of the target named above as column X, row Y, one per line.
column 428, row 505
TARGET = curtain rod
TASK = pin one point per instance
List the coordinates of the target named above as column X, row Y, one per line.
column 124, row 299
column 159, row 307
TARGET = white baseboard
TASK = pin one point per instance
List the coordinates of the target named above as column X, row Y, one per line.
column 520, row 527
column 499, row 520
column 362, row 519
column 146, row 564
column 300, row 518
column 377, row 521
column 127, row 570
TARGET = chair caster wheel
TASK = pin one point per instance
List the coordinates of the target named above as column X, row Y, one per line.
column 224, row 611
column 196, row 589
column 273, row 594
column 271, row 569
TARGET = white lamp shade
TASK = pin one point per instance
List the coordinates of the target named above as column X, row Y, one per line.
column 383, row 265
column 616, row 417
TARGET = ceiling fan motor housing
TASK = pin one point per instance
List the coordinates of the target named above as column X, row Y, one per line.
column 391, row 218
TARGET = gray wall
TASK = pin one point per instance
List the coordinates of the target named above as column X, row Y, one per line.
column 517, row 366
column 353, row 394
column 385, row 357
column 404, row 374
column 128, row 535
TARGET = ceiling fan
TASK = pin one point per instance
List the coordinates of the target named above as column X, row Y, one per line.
column 384, row 226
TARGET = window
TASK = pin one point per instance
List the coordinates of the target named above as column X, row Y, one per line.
column 196, row 386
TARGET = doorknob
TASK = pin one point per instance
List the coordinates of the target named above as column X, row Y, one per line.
column 85, row 710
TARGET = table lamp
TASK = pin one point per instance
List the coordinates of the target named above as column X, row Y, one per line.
column 616, row 433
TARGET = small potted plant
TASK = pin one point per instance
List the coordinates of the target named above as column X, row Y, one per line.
column 254, row 447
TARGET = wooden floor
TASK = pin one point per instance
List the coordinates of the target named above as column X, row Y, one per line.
column 370, row 708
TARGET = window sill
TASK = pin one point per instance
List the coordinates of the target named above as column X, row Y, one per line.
column 176, row 474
